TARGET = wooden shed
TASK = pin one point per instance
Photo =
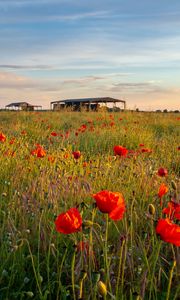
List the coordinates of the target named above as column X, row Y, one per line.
column 25, row 106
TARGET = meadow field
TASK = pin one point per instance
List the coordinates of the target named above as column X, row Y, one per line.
column 89, row 205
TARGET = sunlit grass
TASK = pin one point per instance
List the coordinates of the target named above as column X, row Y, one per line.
column 38, row 262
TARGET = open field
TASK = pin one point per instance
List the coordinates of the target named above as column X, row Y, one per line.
column 42, row 175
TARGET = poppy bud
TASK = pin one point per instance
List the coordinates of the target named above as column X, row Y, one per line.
column 29, row 294
column 151, row 209
column 173, row 184
column 101, row 287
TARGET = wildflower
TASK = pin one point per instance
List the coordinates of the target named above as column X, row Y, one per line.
column 69, row 221
column 23, row 132
column 146, row 150
column 168, row 231
column 11, row 142
column 111, row 203
column 173, row 210
column 162, row 190
column 67, row 134
column 76, row 154
column 51, row 158
column 162, row 172
column 39, row 151
column 53, row 133
column 141, row 145
column 82, row 128
column 66, row 155
column 119, row 150
column 85, row 164
column 2, row 137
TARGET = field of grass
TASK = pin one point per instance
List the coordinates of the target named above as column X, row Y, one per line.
column 104, row 259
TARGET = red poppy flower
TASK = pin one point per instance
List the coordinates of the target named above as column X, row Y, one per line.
column 76, row 154
column 69, row 221
column 141, row 145
column 119, row 150
column 82, row 128
column 163, row 189
column 173, row 210
column 23, row 132
column 53, row 133
column 146, row 150
column 66, row 155
column 162, row 172
column 168, row 231
column 67, row 134
column 111, row 203
column 2, row 137
column 51, row 158
column 11, row 142
column 39, row 151
column 85, row 164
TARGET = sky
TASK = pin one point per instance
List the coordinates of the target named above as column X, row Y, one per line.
column 60, row 49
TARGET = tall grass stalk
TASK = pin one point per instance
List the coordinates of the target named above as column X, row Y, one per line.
column 170, row 280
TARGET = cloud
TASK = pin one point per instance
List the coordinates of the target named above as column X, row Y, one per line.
column 82, row 81
column 150, row 87
column 52, row 17
column 9, row 80
column 30, row 2
column 25, row 67
column 12, row 81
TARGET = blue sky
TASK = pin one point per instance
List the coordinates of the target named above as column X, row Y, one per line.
column 58, row 49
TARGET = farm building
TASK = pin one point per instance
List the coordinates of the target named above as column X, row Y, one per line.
column 87, row 103
column 23, row 106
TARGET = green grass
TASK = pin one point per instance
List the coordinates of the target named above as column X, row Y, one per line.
column 39, row 263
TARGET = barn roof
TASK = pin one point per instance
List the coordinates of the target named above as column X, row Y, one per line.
column 87, row 100
column 19, row 104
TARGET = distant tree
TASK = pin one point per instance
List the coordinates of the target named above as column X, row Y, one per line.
column 158, row 110
column 176, row 111
column 165, row 111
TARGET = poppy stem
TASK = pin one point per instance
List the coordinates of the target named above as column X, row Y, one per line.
column 60, row 273
column 106, row 250
column 119, row 267
column 91, row 250
column 72, row 274
column 170, row 280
